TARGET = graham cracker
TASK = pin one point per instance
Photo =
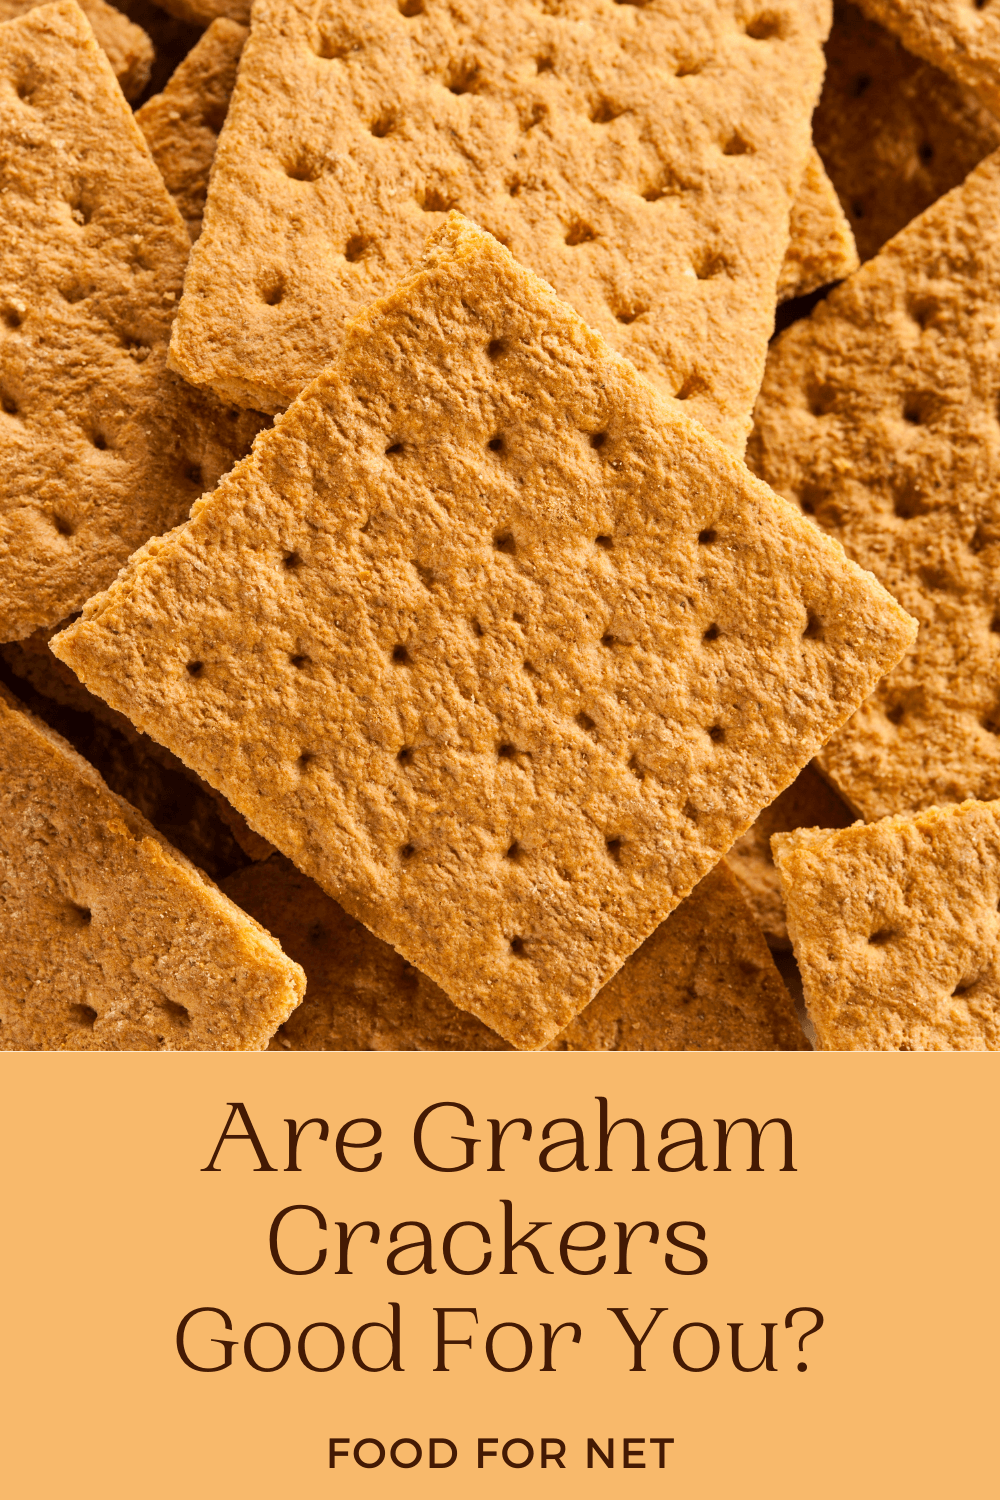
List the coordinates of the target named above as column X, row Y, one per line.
column 191, row 815
column 204, row 12
column 878, row 416
column 112, row 940
column 704, row 981
column 491, row 642
column 182, row 124
column 101, row 446
column 960, row 37
column 810, row 802
column 821, row 246
column 362, row 995
column 894, row 132
column 643, row 160
column 127, row 47
column 894, row 927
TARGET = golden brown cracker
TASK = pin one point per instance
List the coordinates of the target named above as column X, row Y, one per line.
column 362, row 995
column 962, row 37
column 191, row 815
column 810, row 802
column 878, row 415
column 128, row 48
column 894, row 927
column 894, row 133
column 489, row 641
column 821, row 246
column 704, row 981
column 642, row 159
column 101, row 446
column 111, row 939
column 182, row 124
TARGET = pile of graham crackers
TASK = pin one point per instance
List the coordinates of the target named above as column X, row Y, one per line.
column 439, row 611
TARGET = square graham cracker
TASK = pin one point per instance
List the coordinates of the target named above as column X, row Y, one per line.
column 895, row 929
column 810, row 802
column 642, row 159
column 111, row 939
column 101, row 446
column 182, row 124
column 704, row 981
column 962, row 37
column 894, row 132
column 878, row 415
column 490, row 642
column 128, row 48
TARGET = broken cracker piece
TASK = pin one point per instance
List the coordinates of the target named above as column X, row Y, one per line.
column 489, row 641
column 182, row 124
column 821, row 246
column 962, row 37
column 810, row 802
column 895, row 133
column 111, row 939
column 101, row 446
column 894, row 926
column 128, row 48
column 878, row 416
column 703, row 982
column 642, row 159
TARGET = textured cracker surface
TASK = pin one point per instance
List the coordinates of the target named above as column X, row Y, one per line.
column 896, row 931
column 101, row 446
column 128, row 48
column 643, row 160
column 821, row 246
column 808, row 803
column 191, row 815
column 960, row 36
column 361, row 995
column 491, row 643
column 894, row 132
column 182, row 124
column 111, row 939
column 704, row 981
column 878, row 414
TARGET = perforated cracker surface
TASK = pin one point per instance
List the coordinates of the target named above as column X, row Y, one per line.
column 489, row 642
column 111, row 939
column 182, row 124
column 362, row 995
column 878, row 414
column 704, row 981
column 642, row 159
column 101, row 446
column 896, row 931
column 894, row 132
column 128, row 48
column 960, row 36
